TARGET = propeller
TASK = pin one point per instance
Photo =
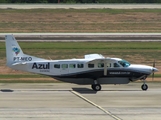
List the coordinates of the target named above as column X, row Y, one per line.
column 153, row 70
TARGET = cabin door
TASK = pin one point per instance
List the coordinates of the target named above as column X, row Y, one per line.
column 55, row 69
column 64, row 69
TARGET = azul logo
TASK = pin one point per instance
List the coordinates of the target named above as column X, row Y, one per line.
column 41, row 66
column 16, row 50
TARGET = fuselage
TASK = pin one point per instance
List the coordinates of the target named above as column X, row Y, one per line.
column 83, row 71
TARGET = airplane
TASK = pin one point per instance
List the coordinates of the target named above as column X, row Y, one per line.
column 93, row 69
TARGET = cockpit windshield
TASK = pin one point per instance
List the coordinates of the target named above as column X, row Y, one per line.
column 124, row 63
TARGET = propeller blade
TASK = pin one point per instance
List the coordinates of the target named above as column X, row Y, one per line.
column 154, row 63
column 153, row 76
column 153, row 70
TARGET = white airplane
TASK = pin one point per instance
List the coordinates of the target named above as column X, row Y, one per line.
column 94, row 69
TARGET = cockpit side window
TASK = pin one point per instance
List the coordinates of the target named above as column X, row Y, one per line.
column 124, row 63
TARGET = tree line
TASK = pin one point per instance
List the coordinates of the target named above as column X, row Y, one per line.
column 80, row 1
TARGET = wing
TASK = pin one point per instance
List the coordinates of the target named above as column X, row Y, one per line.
column 93, row 56
column 100, row 60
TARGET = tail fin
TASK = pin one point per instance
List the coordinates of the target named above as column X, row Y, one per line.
column 13, row 50
column 15, row 54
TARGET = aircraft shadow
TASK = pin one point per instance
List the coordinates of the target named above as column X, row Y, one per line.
column 79, row 90
column 7, row 90
column 84, row 90
column 121, row 90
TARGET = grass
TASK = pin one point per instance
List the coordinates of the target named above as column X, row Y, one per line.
column 74, row 49
column 66, row 50
column 9, row 76
column 88, row 45
column 28, row 81
column 91, row 10
column 135, row 52
column 80, row 20
column 26, row 78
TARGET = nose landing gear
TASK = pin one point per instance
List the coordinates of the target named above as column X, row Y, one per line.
column 144, row 87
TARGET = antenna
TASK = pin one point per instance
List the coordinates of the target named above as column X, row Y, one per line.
column 49, row 58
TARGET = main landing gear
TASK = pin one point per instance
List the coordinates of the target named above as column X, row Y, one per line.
column 144, row 86
column 96, row 86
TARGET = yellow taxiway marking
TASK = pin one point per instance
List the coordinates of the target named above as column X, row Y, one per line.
column 99, row 107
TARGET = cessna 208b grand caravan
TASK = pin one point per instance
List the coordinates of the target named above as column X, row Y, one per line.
column 94, row 69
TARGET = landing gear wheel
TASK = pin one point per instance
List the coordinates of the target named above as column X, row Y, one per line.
column 144, row 87
column 92, row 86
column 96, row 87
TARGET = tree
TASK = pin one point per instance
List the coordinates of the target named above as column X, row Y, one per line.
column 52, row 1
column 3, row 1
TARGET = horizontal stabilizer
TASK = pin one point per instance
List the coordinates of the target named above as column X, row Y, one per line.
column 22, row 63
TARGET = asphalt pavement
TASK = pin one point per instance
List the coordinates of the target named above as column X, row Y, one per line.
column 81, row 37
column 80, row 6
column 64, row 101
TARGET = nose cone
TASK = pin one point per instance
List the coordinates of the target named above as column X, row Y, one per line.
column 155, row 69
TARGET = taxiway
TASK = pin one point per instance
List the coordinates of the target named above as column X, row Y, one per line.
column 80, row 6
column 63, row 101
column 84, row 37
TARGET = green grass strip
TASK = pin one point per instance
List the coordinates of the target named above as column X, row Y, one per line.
column 22, row 76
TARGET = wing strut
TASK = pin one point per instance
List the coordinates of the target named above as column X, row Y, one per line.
column 105, row 67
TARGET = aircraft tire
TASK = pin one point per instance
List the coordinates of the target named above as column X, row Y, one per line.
column 92, row 86
column 96, row 87
column 144, row 87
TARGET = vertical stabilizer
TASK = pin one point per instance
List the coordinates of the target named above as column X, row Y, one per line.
column 13, row 49
column 15, row 54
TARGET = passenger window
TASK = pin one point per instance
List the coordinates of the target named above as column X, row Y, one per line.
column 64, row 66
column 90, row 65
column 116, row 65
column 108, row 64
column 57, row 66
column 80, row 65
column 100, row 65
column 71, row 65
